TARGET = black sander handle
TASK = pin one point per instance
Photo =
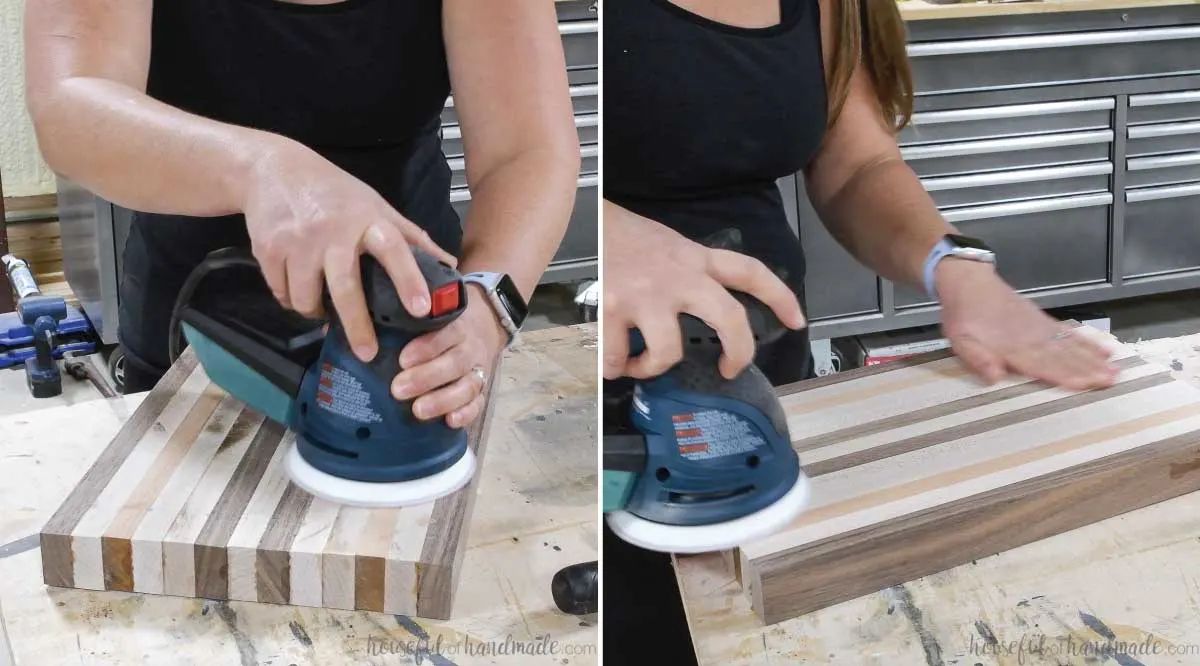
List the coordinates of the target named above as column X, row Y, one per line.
column 576, row 589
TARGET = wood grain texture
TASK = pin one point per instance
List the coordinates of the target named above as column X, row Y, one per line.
column 190, row 499
column 916, row 469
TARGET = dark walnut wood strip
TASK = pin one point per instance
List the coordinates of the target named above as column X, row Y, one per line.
column 58, row 560
column 212, row 559
column 272, row 570
column 981, row 426
column 793, row 583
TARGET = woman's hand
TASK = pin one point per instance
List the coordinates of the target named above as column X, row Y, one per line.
column 448, row 369
column 653, row 274
column 309, row 222
column 994, row 331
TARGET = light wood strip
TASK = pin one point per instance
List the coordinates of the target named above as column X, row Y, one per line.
column 179, row 543
column 305, row 572
column 87, row 547
column 242, row 548
column 57, row 542
column 401, row 584
column 162, row 509
column 337, row 561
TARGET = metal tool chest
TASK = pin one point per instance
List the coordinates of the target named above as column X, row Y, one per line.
column 578, row 255
column 94, row 230
column 1070, row 142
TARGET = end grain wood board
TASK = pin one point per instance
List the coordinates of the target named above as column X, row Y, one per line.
column 190, row 499
column 916, row 468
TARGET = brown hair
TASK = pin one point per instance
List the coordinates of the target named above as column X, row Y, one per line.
column 877, row 39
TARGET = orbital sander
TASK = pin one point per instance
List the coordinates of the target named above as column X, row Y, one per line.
column 355, row 443
column 695, row 462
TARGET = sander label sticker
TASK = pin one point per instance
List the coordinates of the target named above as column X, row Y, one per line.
column 341, row 393
column 712, row 433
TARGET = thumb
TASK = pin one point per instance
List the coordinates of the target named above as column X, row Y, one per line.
column 979, row 359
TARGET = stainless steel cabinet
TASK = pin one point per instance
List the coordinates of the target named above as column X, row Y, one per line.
column 578, row 254
column 1070, row 142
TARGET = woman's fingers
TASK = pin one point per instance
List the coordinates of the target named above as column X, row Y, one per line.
column 460, row 417
column 304, row 279
column 417, row 236
column 435, row 374
column 344, row 277
column 431, row 345
column 714, row 305
column 740, row 272
column 385, row 242
column 616, row 338
column 447, row 399
column 980, row 360
column 659, row 329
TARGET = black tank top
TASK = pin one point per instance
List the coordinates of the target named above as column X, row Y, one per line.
column 362, row 82
column 702, row 118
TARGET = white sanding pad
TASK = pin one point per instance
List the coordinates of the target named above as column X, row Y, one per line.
column 687, row 539
column 379, row 495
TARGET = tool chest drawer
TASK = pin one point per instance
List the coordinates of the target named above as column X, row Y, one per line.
column 1003, row 186
column 1164, row 107
column 1039, row 60
column 943, row 159
column 1040, row 244
column 589, row 165
column 996, row 122
column 577, row 10
column 580, row 43
column 1163, row 169
column 1163, row 138
column 1162, row 230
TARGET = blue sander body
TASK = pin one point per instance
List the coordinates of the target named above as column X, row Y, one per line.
column 699, row 462
column 354, row 442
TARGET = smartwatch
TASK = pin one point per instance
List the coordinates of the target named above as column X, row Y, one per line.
column 506, row 301
column 958, row 247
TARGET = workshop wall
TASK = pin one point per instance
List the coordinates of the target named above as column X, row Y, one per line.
column 24, row 172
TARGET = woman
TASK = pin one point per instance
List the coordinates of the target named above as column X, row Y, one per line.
column 308, row 131
column 707, row 104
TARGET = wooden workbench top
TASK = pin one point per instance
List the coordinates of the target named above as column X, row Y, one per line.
column 916, row 10
column 536, row 514
column 1131, row 581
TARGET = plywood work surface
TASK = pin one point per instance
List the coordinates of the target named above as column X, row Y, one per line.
column 534, row 514
column 1060, row 600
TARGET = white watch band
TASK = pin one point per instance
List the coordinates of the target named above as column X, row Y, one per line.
column 490, row 282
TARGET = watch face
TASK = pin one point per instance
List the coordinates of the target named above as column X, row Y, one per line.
column 968, row 242
column 514, row 303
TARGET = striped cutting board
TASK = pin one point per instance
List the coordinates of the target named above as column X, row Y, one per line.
column 916, row 468
column 190, row 499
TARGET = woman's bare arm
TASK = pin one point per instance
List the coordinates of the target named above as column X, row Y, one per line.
column 86, row 68
column 864, row 192
column 522, row 149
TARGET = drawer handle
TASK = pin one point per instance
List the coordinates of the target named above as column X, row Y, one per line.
column 590, row 150
column 1164, row 161
column 1013, row 111
column 1157, row 193
column 965, row 148
column 1027, row 207
column 461, row 194
column 1017, row 176
column 1186, row 97
column 578, row 28
column 1002, row 44
column 589, row 90
column 454, row 132
column 1169, row 129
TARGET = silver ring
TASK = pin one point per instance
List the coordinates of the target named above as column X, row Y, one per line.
column 480, row 375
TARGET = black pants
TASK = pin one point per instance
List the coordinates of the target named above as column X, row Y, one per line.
column 644, row 621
